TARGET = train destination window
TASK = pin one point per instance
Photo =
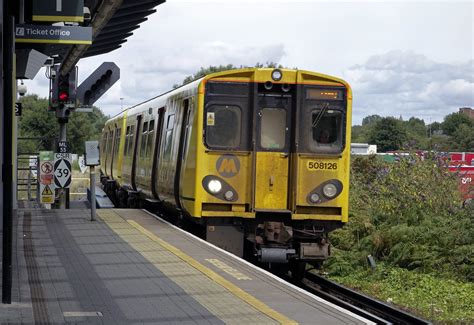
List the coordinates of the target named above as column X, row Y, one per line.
column 223, row 126
column 326, row 130
column 273, row 128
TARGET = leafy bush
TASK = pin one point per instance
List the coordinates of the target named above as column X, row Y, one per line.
column 407, row 214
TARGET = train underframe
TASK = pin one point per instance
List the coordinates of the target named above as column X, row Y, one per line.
column 271, row 238
column 274, row 239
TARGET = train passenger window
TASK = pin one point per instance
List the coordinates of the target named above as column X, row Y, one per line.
column 223, row 126
column 168, row 138
column 326, row 129
column 151, row 128
column 143, row 139
column 127, row 140
column 117, row 141
column 130, row 145
column 273, row 128
column 170, row 123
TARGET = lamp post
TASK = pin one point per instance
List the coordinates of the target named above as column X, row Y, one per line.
column 121, row 103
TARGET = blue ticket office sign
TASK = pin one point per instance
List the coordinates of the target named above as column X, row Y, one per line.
column 58, row 10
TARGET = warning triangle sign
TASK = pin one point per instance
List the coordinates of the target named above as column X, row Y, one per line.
column 47, row 191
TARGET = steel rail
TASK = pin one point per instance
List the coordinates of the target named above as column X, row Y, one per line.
column 354, row 301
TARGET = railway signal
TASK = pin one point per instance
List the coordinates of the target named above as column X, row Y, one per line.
column 97, row 83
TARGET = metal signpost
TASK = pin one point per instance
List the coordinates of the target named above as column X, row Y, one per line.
column 92, row 156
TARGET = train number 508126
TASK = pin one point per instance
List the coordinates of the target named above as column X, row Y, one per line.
column 316, row 165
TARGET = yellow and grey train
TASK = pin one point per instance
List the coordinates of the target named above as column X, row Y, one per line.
column 256, row 156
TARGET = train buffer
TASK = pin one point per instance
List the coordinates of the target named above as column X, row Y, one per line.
column 132, row 267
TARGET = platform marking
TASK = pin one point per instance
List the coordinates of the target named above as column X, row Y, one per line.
column 247, row 298
column 82, row 314
column 258, row 269
column 228, row 269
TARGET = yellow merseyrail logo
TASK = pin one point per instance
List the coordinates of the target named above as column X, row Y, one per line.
column 228, row 166
column 235, row 290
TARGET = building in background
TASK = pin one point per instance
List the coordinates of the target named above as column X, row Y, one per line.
column 467, row 111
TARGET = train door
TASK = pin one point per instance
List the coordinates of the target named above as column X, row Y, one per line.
column 135, row 151
column 157, row 150
column 181, row 150
column 272, row 150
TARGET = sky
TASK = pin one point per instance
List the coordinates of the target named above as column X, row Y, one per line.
column 401, row 58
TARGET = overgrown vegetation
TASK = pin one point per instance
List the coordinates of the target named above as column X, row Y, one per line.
column 409, row 216
column 37, row 122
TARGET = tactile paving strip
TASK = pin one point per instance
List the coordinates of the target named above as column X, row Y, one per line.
column 181, row 269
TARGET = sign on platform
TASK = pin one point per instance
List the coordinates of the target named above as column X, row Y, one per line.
column 53, row 34
column 82, row 164
column 58, row 10
column 62, row 170
column 63, row 147
column 18, row 109
column 46, row 177
column 33, row 164
column 92, row 153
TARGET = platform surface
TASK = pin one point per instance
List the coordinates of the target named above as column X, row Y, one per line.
column 130, row 268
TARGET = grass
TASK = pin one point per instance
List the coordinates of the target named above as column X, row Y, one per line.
column 435, row 298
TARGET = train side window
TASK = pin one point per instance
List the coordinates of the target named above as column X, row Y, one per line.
column 127, row 140
column 273, row 128
column 223, row 126
column 168, row 138
column 151, row 129
column 117, row 141
column 132, row 136
column 143, row 139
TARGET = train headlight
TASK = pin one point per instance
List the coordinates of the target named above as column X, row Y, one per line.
column 329, row 190
column 314, row 198
column 277, row 75
column 214, row 186
column 229, row 195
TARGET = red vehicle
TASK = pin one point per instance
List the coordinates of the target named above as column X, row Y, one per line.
column 462, row 163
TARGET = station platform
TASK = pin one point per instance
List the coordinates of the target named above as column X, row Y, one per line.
column 130, row 267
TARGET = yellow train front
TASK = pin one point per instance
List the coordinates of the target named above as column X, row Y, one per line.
column 259, row 157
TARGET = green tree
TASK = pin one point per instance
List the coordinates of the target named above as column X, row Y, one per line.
column 38, row 122
column 453, row 121
column 388, row 134
column 371, row 119
column 463, row 138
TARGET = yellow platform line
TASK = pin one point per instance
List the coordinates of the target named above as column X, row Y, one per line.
column 251, row 300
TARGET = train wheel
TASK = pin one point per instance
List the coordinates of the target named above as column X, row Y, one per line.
column 297, row 269
column 132, row 202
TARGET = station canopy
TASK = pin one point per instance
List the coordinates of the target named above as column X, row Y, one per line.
column 112, row 22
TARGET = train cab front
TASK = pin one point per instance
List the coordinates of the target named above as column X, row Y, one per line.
column 289, row 169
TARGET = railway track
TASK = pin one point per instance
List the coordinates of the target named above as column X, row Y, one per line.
column 360, row 304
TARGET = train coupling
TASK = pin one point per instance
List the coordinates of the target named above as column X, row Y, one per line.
column 275, row 254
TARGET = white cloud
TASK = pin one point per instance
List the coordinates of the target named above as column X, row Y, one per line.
column 409, row 84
